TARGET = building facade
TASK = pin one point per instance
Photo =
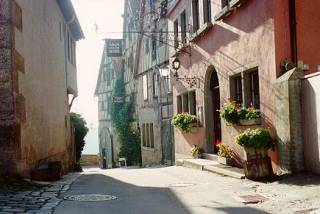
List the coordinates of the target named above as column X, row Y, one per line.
column 254, row 52
column 154, row 94
column 37, row 75
column 110, row 70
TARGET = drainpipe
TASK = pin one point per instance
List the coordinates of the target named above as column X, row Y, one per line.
column 293, row 31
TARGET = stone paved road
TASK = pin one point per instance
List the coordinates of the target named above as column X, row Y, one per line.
column 162, row 190
column 157, row 191
column 42, row 200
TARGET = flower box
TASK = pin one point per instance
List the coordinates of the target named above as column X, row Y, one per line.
column 250, row 122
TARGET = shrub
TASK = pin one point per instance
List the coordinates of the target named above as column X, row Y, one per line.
column 229, row 112
column 196, row 151
column 81, row 131
column 232, row 112
column 224, row 150
column 255, row 138
column 252, row 113
column 183, row 121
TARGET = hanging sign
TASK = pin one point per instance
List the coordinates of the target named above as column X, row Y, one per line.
column 118, row 99
column 114, row 47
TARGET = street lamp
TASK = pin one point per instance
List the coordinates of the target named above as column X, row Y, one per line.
column 176, row 65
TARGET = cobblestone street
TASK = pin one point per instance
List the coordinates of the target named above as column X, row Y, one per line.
column 43, row 200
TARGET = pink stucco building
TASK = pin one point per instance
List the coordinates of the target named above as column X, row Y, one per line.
column 253, row 52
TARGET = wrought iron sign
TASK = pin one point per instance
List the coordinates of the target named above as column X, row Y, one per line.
column 191, row 81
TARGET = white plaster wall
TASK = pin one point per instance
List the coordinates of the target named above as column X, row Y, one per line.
column 311, row 122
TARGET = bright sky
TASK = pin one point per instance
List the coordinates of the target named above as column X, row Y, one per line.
column 106, row 14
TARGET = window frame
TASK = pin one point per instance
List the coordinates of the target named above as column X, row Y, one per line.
column 183, row 26
column 207, row 11
column 195, row 16
column 145, row 87
column 187, row 103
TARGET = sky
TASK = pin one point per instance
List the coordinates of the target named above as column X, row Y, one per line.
column 97, row 18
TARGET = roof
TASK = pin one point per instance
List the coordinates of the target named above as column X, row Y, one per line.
column 71, row 18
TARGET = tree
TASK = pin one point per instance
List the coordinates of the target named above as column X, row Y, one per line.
column 81, row 131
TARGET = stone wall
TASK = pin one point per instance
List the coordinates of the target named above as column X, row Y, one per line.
column 288, row 124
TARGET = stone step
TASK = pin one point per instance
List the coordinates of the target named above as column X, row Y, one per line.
column 209, row 156
column 211, row 166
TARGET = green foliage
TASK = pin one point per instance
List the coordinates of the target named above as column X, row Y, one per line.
column 229, row 112
column 255, row 138
column 121, row 118
column 252, row 113
column 81, row 131
column 224, row 150
column 232, row 112
column 183, row 121
column 196, row 151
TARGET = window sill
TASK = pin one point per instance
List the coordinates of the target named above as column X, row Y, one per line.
column 226, row 11
column 148, row 149
column 204, row 28
column 236, row 3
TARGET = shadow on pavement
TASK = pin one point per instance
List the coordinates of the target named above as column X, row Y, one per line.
column 132, row 199
column 301, row 179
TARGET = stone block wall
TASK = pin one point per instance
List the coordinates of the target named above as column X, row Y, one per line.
column 288, row 124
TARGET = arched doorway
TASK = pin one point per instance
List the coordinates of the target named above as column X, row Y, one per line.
column 212, row 105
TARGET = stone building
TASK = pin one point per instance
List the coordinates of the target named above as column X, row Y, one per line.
column 37, row 81
column 154, row 94
column 253, row 52
column 110, row 69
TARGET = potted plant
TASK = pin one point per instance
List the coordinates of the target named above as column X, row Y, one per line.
column 249, row 116
column 196, row 151
column 225, row 154
column 256, row 143
column 184, row 121
column 229, row 112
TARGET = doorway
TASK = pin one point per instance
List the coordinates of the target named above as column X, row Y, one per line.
column 215, row 96
column 211, row 106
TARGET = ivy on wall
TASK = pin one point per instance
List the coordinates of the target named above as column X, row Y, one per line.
column 122, row 118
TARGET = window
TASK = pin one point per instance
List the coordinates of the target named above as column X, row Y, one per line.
column 254, row 95
column 206, row 11
column 224, row 3
column 144, row 139
column 68, row 45
column 147, row 45
column 154, row 48
column 236, row 93
column 183, row 19
column 145, row 87
column 147, row 135
column 160, row 37
column 175, row 32
column 108, row 78
column 164, row 8
column 168, row 83
column 179, row 104
column 244, row 88
column 195, row 15
column 155, row 85
column 187, row 103
column 152, row 6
